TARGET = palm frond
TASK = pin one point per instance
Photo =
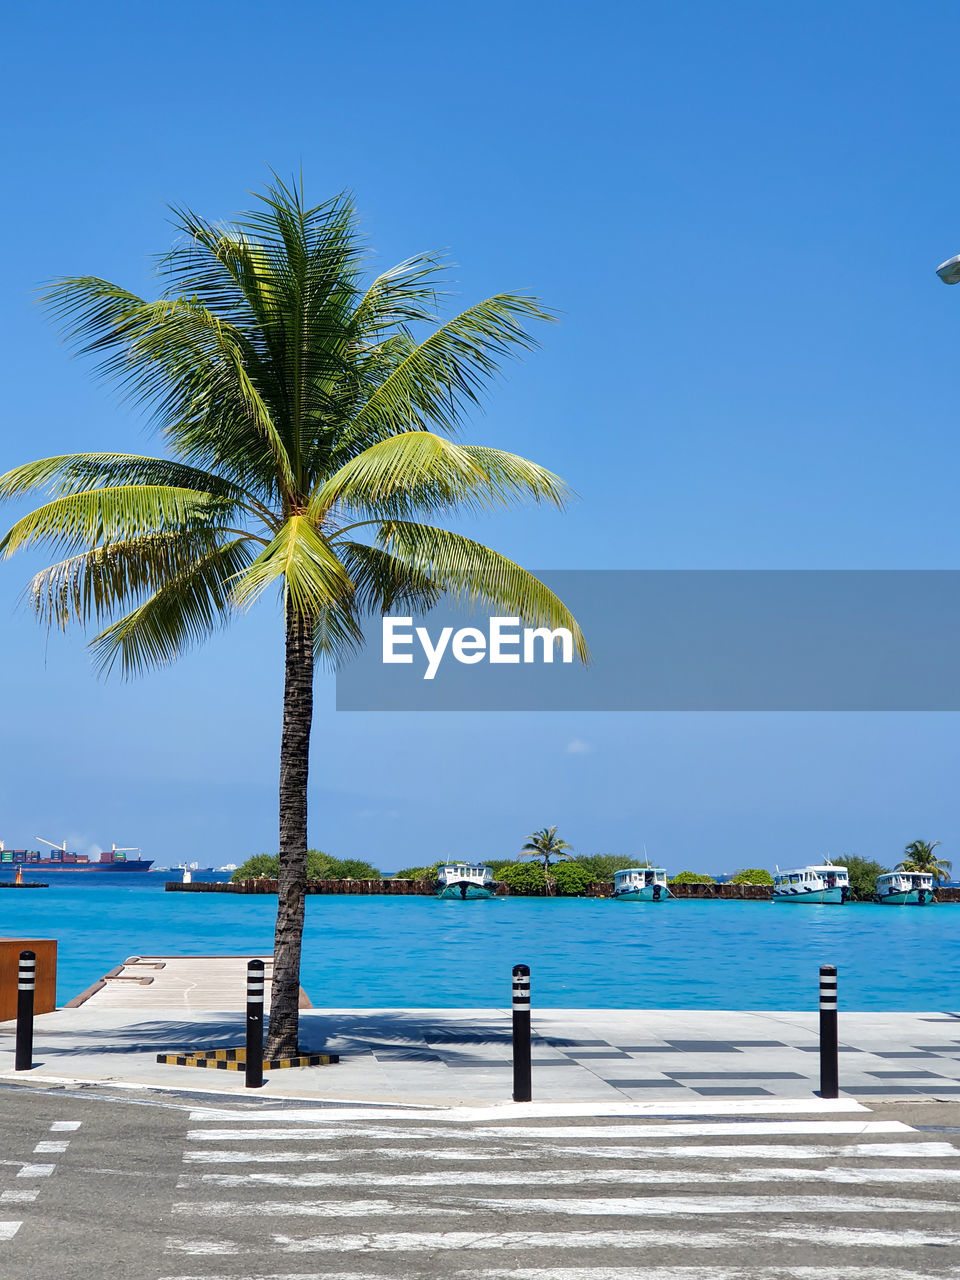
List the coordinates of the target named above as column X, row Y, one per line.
column 189, row 608
column 295, row 270
column 472, row 574
column 72, row 472
column 406, row 294
column 98, row 583
column 445, row 374
column 199, row 372
column 420, row 471
column 337, row 636
column 92, row 517
column 382, row 582
column 300, row 559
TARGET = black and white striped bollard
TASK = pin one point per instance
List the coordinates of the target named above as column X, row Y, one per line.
column 829, row 1043
column 254, row 1059
column 26, row 984
column 522, row 1085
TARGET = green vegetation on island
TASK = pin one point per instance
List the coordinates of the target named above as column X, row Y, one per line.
column 752, row 875
column 602, row 866
column 320, row 866
column 862, row 873
column 571, row 875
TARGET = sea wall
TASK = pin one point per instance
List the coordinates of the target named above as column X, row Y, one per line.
column 264, row 885
column 601, row 889
column 725, row 892
column 425, row 888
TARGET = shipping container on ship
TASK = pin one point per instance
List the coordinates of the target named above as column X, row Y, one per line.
column 110, row 860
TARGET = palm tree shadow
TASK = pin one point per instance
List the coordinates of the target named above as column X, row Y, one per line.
column 411, row 1034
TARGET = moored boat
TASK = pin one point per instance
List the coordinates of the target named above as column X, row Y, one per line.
column 465, row 880
column 823, row 884
column 641, row 884
column 905, row 889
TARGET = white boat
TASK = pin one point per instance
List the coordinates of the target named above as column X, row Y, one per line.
column 465, row 880
column 906, row 888
column 826, row 884
column 641, row 884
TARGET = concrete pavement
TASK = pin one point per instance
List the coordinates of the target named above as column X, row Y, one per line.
column 440, row 1057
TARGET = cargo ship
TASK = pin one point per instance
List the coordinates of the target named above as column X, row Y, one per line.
column 110, row 860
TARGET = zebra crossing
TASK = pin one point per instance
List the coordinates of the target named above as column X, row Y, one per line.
column 300, row 1194
column 28, row 1171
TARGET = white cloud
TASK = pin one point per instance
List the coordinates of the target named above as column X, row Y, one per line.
column 577, row 747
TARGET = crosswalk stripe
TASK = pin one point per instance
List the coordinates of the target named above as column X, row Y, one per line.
column 306, row 1208
column 725, row 1129
column 756, row 1151
column 65, row 1126
column 299, row 1275
column 19, row 1197
column 636, row 1206
column 628, row 1273
column 710, row 1129
column 448, row 1241
column 36, row 1170
column 456, row 1116
column 9, row 1229
column 695, row 1206
column 705, row 1273
column 571, row 1177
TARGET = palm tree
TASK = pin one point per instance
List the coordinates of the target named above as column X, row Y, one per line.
column 919, row 856
column 546, row 846
column 309, row 430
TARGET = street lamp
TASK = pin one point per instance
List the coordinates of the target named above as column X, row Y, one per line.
column 949, row 271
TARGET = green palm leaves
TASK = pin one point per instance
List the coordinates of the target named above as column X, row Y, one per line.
column 309, row 424
column 546, row 845
column 919, row 856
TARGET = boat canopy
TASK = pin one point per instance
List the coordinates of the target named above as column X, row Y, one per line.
column 907, row 879
column 640, row 875
column 465, row 871
column 812, row 875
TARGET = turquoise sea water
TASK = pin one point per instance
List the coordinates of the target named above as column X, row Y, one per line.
column 584, row 953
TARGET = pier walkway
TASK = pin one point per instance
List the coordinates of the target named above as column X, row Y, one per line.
column 185, row 984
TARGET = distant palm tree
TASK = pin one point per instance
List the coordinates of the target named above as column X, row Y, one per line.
column 919, row 856
column 546, row 846
column 308, row 417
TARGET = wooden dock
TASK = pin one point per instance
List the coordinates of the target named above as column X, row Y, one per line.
column 181, row 984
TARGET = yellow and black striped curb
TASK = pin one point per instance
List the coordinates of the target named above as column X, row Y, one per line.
column 236, row 1060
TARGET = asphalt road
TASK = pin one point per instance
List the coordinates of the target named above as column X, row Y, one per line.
column 143, row 1189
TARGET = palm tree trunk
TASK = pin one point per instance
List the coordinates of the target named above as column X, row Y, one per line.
column 282, row 1039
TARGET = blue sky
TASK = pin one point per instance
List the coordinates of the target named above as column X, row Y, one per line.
column 737, row 209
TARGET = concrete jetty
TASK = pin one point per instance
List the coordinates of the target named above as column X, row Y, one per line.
column 187, row 984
